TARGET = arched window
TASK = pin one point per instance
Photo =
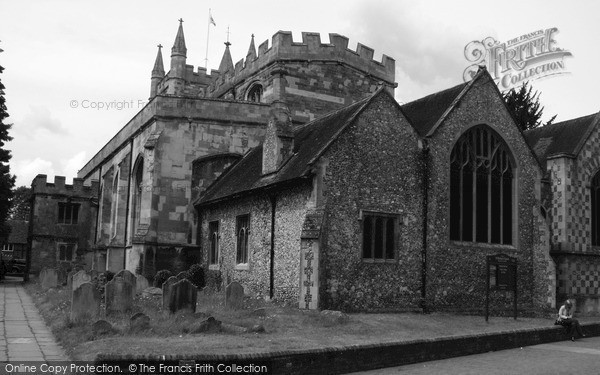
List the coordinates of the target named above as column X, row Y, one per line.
column 114, row 205
column 595, row 198
column 242, row 224
column 138, row 180
column 481, row 188
column 255, row 93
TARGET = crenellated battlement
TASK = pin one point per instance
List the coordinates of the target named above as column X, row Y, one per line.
column 311, row 49
column 40, row 185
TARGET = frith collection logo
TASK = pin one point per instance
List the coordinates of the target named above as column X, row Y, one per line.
column 526, row 58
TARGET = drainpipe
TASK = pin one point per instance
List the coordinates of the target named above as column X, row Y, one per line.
column 273, row 198
column 425, row 156
column 99, row 204
column 127, row 205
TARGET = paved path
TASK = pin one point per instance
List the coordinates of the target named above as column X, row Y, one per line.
column 564, row 357
column 25, row 336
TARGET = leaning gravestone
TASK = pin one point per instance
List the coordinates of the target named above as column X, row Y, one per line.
column 234, row 295
column 48, row 278
column 102, row 327
column 127, row 276
column 139, row 322
column 79, row 279
column 85, row 304
column 179, row 295
column 119, row 295
column 141, row 283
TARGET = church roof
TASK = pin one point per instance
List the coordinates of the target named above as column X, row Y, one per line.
column 310, row 142
column 424, row 113
column 562, row 138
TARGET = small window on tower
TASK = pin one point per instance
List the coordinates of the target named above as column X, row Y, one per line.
column 255, row 93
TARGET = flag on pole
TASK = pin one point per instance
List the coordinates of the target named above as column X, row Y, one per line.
column 211, row 19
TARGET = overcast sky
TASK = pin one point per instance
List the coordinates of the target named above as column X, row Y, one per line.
column 57, row 52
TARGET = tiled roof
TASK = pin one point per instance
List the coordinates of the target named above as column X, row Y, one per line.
column 424, row 113
column 564, row 137
column 310, row 141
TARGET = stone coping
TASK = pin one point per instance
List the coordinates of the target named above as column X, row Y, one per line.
column 337, row 360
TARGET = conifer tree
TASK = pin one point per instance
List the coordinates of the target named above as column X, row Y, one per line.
column 7, row 181
column 525, row 106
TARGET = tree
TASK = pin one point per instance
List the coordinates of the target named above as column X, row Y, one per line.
column 20, row 203
column 7, row 181
column 525, row 106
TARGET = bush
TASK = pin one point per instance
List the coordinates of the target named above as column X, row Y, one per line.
column 196, row 275
column 160, row 277
column 214, row 279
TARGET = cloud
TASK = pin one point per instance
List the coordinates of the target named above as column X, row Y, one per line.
column 71, row 166
column 37, row 120
column 27, row 169
column 428, row 53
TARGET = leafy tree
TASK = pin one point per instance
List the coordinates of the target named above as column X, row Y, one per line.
column 7, row 181
column 20, row 203
column 525, row 106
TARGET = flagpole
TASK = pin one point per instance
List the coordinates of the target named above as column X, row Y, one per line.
column 207, row 40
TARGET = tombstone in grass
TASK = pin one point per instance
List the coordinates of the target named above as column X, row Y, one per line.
column 182, row 275
column 61, row 276
column 80, row 278
column 48, row 278
column 141, row 283
column 119, row 295
column 70, row 280
column 168, row 293
column 127, row 276
column 85, row 303
column 234, row 295
column 139, row 322
column 179, row 295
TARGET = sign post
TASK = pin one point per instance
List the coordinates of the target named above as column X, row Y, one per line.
column 501, row 276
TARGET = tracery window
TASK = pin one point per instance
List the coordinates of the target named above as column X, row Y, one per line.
column 481, row 188
column 242, row 226
column 213, row 239
column 255, row 93
column 137, row 192
column 595, row 201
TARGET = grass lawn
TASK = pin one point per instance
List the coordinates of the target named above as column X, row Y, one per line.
column 286, row 328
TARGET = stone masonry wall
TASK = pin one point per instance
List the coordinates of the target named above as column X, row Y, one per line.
column 372, row 166
column 255, row 276
column 457, row 270
column 48, row 233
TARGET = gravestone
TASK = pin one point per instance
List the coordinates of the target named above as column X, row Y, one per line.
column 139, row 322
column 127, row 276
column 119, row 295
column 48, row 278
column 141, row 283
column 179, row 295
column 61, row 276
column 234, row 295
column 182, row 275
column 168, row 292
column 85, row 303
column 70, row 280
column 79, row 279
column 101, row 327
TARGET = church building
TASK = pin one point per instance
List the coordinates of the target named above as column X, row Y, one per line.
column 296, row 173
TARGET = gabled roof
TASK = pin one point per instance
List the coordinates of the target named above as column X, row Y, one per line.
column 562, row 138
column 310, row 142
column 424, row 113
